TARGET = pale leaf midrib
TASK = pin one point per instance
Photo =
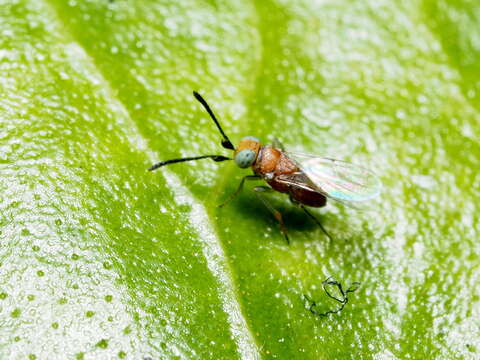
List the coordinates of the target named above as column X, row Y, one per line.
column 246, row 341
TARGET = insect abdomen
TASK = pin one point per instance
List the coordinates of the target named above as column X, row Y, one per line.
column 307, row 197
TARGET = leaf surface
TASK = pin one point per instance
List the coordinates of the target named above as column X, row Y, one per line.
column 101, row 259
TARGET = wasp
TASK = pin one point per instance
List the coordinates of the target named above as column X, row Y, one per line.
column 307, row 180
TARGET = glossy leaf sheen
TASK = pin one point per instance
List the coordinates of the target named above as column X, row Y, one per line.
column 101, row 259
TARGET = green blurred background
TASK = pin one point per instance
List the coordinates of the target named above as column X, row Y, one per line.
column 100, row 259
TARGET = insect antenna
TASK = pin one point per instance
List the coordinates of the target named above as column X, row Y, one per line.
column 173, row 161
column 226, row 143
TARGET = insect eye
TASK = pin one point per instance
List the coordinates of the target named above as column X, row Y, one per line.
column 245, row 158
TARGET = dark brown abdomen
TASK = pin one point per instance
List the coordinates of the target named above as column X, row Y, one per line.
column 304, row 195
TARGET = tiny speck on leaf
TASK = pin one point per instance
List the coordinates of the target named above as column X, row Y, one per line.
column 103, row 344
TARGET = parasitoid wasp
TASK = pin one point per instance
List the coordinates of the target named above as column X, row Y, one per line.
column 308, row 180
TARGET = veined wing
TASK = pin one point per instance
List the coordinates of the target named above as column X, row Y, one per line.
column 339, row 180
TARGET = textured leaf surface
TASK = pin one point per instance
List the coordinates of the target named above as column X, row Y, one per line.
column 101, row 259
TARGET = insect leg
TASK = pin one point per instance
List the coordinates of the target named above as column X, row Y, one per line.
column 239, row 189
column 316, row 220
column 278, row 216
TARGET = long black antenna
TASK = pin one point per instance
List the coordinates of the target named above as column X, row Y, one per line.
column 226, row 143
column 173, row 161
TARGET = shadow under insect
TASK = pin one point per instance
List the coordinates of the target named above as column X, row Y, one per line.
column 294, row 218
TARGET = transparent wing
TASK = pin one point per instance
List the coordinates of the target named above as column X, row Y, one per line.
column 339, row 180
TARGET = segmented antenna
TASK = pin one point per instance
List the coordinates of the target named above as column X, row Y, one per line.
column 226, row 143
column 173, row 161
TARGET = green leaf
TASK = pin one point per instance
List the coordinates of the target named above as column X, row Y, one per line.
column 101, row 259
